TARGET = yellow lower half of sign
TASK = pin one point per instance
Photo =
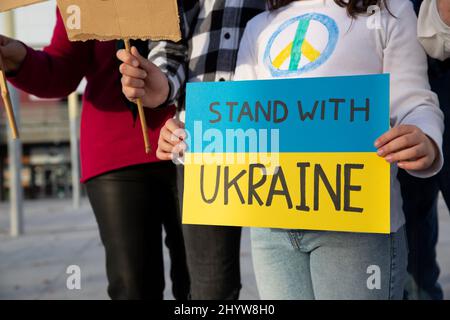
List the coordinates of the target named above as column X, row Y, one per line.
column 311, row 191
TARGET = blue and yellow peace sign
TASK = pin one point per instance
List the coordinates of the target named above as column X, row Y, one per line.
column 276, row 60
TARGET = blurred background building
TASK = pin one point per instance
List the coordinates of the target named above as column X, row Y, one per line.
column 44, row 124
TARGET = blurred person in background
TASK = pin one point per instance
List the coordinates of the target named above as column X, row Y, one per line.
column 133, row 194
column 420, row 196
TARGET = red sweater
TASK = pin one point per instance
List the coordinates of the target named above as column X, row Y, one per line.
column 110, row 138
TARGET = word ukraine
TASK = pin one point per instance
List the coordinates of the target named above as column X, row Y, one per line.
column 323, row 173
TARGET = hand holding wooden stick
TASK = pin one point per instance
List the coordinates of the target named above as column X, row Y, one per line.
column 141, row 110
column 7, row 101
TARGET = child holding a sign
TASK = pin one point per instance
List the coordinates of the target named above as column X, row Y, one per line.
column 333, row 265
column 321, row 38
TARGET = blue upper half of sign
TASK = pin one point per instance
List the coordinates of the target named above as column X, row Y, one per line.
column 332, row 114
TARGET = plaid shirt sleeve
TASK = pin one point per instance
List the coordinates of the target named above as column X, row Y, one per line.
column 172, row 57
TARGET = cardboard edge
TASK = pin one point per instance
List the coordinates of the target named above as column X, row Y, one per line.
column 89, row 37
column 176, row 37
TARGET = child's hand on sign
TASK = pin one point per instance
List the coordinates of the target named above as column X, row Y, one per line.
column 142, row 79
column 171, row 143
column 13, row 53
column 409, row 147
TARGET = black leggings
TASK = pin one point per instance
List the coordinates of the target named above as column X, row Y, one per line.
column 131, row 206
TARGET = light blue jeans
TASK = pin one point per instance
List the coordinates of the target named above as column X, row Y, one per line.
column 301, row 265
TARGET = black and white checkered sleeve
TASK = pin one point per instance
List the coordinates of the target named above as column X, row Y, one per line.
column 172, row 57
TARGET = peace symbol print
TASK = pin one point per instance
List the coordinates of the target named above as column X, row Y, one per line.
column 314, row 38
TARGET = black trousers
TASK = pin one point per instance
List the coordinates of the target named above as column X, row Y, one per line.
column 213, row 255
column 420, row 206
column 420, row 203
column 131, row 206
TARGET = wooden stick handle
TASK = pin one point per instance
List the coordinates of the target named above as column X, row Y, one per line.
column 148, row 148
column 7, row 101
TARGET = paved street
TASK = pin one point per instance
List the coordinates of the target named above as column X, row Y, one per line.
column 34, row 265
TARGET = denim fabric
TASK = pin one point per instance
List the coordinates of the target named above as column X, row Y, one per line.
column 297, row 265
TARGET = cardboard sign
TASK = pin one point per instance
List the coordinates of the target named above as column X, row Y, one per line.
column 292, row 154
column 6, row 5
column 121, row 19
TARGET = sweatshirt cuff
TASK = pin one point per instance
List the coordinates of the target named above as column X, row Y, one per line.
column 169, row 100
column 23, row 73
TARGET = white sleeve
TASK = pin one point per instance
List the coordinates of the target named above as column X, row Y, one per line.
column 412, row 101
column 246, row 61
column 433, row 33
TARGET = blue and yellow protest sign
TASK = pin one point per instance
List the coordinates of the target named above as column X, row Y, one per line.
column 291, row 154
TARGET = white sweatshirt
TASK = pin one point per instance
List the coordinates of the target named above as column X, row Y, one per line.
column 367, row 45
column 433, row 33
